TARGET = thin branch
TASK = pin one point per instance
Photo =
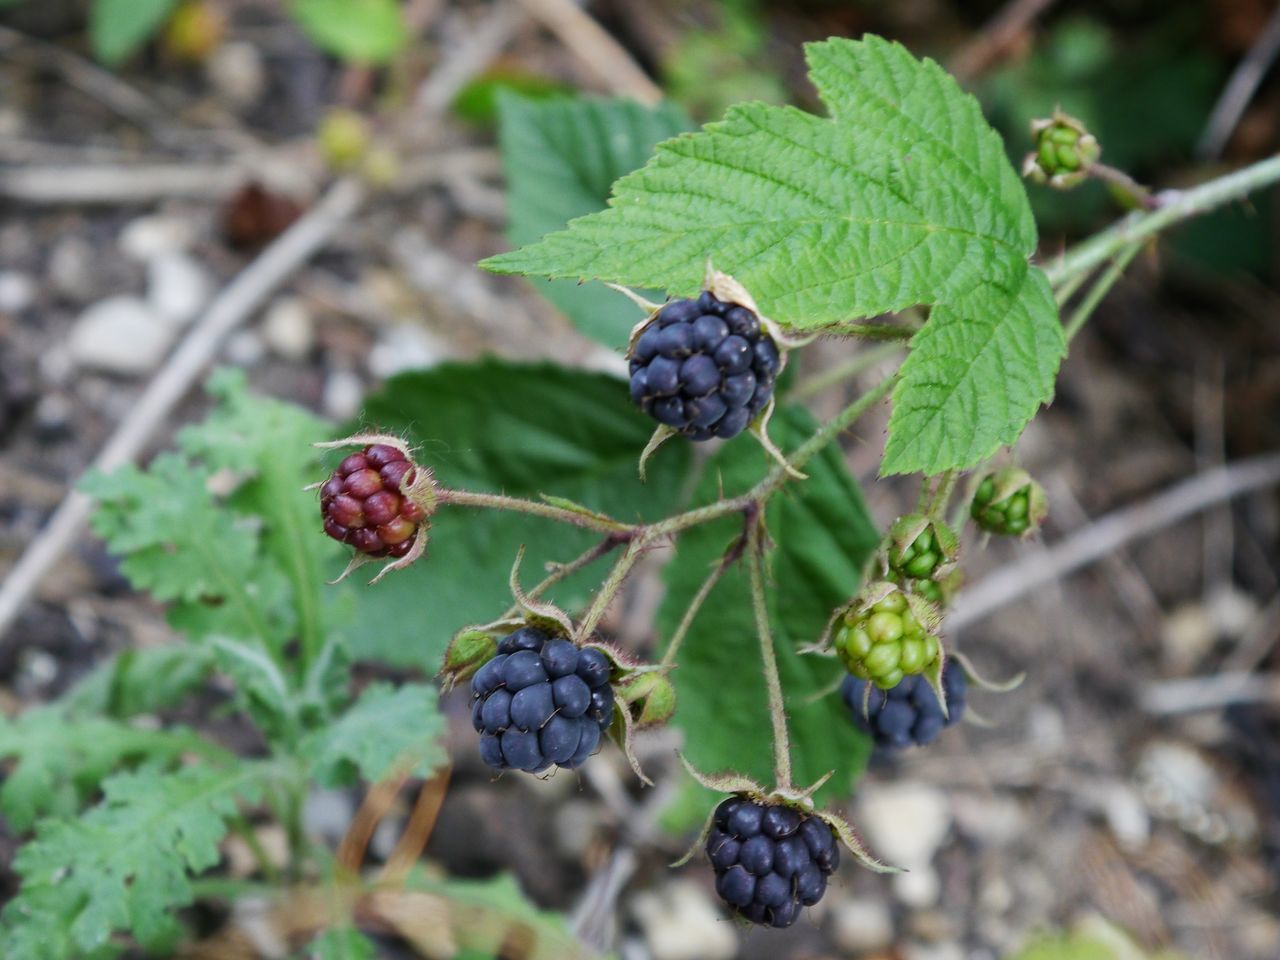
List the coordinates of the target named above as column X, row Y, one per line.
column 240, row 300
column 838, row 373
column 996, row 36
column 609, row 589
column 1193, row 694
column 1100, row 289
column 730, row 557
column 769, row 659
column 1239, row 90
column 1106, row 534
column 1174, row 208
column 613, row 66
column 118, row 183
column 562, row 571
column 536, row 508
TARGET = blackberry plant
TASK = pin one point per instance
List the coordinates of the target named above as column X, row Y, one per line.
column 739, row 243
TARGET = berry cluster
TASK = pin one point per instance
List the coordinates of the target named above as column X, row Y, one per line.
column 704, row 367
column 363, row 504
column 908, row 714
column 770, row 859
column 885, row 641
column 541, row 702
column 1011, row 514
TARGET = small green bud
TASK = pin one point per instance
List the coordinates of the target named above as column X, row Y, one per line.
column 1008, row 502
column 344, row 139
column 919, row 554
column 1064, row 151
column 468, row 651
column 650, row 696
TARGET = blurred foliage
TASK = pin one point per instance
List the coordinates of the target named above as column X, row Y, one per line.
column 477, row 102
column 1145, row 96
column 711, row 69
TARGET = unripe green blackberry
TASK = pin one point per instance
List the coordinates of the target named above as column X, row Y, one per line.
column 886, row 635
column 1064, row 151
column 919, row 554
column 1008, row 502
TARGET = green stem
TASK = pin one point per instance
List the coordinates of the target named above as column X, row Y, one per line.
column 1100, row 289
column 609, row 589
column 942, row 495
column 869, row 331
column 497, row 501
column 245, row 831
column 731, row 555
column 562, row 571
column 1182, row 206
column 840, row 372
column 769, row 659
column 1068, row 290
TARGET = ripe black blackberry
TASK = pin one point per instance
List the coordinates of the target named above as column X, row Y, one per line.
column 363, row 503
column 704, row 367
column 770, row 859
column 907, row 714
column 541, row 702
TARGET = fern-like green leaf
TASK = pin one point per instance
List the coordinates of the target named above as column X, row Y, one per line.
column 903, row 196
column 126, row 864
column 56, row 760
column 388, row 728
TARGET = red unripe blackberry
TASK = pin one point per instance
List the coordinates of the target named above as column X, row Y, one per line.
column 364, row 502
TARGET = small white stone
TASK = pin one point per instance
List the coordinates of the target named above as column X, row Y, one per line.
column 155, row 235
column 577, row 823
column 235, row 71
column 918, row 888
column 861, row 926
column 934, row 951
column 327, row 814
column 405, row 347
column 71, row 268
column 245, row 348
column 680, row 923
column 287, row 328
column 343, row 394
column 177, row 288
column 119, row 335
column 17, row 291
column 905, row 822
column 1233, row 611
column 1127, row 816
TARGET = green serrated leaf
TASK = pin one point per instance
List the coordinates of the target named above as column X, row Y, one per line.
column 362, row 31
column 179, row 545
column 126, row 864
column 268, row 444
column 58, row 759
column 903, row 197
column 140, row 681
column 119, row 27
column 387, row 729
column 824, row 537
column 518, row 429
column 560, row 158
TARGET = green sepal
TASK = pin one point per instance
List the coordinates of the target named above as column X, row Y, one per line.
column 1064, row 152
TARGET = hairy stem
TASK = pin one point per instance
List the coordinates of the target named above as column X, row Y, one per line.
column 562, row 571
column 869, row 331
column 1100, row 289
column 769, row 660
column 730, row 557
column 1133, row 192
column 846, row 370
column 942, row 495
column 609, row 589
column 497, row 501
column 1173, row 209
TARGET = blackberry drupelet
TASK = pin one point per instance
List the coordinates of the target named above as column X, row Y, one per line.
column 363, row 503
column 770, row 859
column 907, row 714
column 704, row 367
column 541, row 702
